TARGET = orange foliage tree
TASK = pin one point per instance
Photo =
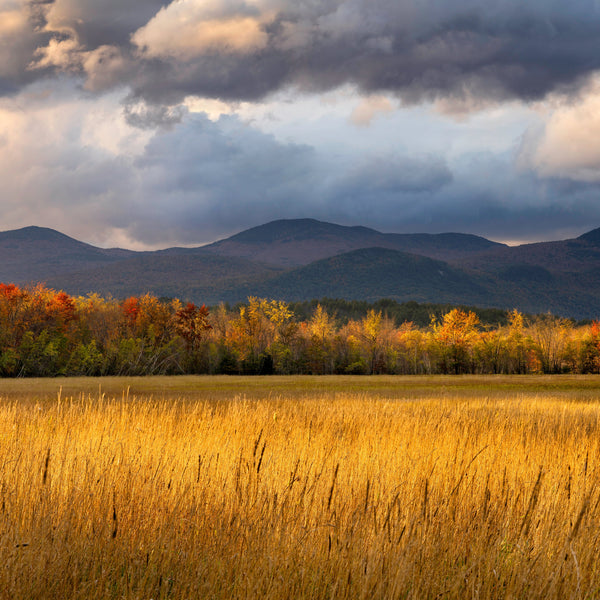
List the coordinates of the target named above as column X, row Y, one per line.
column 454, row 338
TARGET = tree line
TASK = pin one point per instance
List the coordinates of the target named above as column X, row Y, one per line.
column 48, row 333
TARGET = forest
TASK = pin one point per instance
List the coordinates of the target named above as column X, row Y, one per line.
column 45, row 333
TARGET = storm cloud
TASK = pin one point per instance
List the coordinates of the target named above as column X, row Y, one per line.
column 464, row 50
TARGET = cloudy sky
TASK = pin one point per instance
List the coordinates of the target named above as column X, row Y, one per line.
column 149, row 123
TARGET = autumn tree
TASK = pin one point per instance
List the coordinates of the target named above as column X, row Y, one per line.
column 252, row 336
column 99, row 319
column 130, row 308
column 589, row 350
column 12, row 326
column 191, row 323
column 60, row 309
column 48, row 332
column 411, row 343
column 550, row 336
column 285, row 329
column 518, row 343
column 454, row 338
column 12, row 299
column 377, row 338
column 319, row 349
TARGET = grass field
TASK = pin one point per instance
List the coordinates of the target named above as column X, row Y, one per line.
column 311, row 487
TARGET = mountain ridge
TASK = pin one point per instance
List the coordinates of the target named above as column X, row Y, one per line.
column 305, row 258
column 296, row 242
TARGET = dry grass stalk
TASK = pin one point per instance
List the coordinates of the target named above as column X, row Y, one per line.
column 345, row 495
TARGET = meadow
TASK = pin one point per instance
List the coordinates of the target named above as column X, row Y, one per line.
column 300, row 487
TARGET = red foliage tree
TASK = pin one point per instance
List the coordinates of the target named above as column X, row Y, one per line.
column 191, row 322
column 131, row 309
column 61, row 309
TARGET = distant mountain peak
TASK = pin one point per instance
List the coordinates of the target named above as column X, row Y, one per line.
column 33, row 254
column 296, row 229
column 295, row 242
column 35, row 233
column 591, row 237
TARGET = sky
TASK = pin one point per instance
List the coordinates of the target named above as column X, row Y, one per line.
column 147, row 123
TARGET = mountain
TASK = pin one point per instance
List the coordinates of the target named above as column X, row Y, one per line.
column 33, row 254
column 296, row 242
column 303, row 259
column 591, row 237
column 576, row 255
column 373, row 273
column 189, row 275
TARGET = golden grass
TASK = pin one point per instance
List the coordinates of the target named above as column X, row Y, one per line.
column 364, row 490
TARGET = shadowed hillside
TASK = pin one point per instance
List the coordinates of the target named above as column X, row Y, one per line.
column 190, row 275
column 372, row 273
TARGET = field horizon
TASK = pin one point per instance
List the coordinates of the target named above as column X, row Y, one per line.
column 208, row 387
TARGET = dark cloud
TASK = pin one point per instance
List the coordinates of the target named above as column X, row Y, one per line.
column 19, row 40
column 419, row 50
column 96, row 23
column 207, row 177
column 29, row 27
column 236, row 50
column 488, row 197
column 152, row 173
column 391, row 176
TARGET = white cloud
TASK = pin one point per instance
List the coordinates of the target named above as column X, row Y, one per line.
column 568, row 145
column 213, row 109
column 369, row 108
column 186, row 29
column 65, row 162
column 62, row 54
